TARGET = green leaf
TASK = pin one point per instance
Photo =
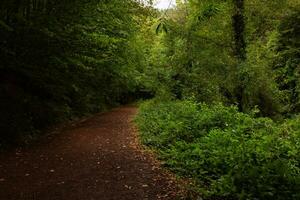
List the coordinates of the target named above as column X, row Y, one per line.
column 164, row 27
column 158, row 28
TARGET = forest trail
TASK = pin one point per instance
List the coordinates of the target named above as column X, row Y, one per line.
column 95, row 159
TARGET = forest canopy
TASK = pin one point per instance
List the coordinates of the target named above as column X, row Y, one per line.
column 64, row 59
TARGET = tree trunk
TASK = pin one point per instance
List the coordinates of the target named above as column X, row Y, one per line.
column 238, row 23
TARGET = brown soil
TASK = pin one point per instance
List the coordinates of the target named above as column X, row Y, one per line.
column 96, row 159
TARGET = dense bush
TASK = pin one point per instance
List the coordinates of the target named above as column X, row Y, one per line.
column 228, row 153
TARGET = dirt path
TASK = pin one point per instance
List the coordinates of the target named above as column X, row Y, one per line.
column 97, row 159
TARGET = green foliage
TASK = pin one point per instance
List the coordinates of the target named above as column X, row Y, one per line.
column 161, row 26
column 226, row 64
column 287, row 62
column 220, row 138
column 197, row 56
column 208, row 12
column 257, row 69
column 63, row 59
column 228, row 153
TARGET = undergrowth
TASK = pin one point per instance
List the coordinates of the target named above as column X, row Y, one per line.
column 228, row 154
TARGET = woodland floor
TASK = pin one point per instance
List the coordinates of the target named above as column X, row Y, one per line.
column 96, row 159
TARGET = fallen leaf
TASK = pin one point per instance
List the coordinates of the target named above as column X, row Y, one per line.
column 128, row 187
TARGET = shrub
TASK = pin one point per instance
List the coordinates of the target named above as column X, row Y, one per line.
column 228, row 154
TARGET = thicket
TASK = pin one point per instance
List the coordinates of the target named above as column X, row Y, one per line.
column 226, row 79
column 241, row 52
column 62, row 59
column 229, row 154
